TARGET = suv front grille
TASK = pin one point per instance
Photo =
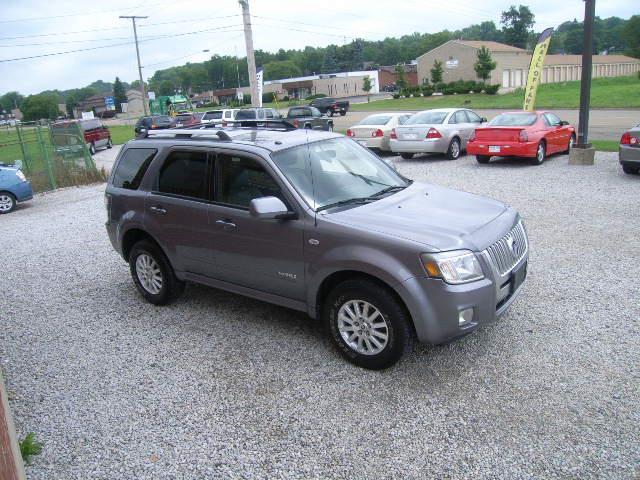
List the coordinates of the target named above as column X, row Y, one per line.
column 509, row 250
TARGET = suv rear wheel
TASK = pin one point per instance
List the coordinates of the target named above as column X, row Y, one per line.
column 625, row 168
column 329, row 112
column 92, row 148
column 367, row 324
column 7, row 202
column 109, row 144
column 153, row 275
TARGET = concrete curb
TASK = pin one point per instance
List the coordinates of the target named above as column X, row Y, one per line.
column 11, row 466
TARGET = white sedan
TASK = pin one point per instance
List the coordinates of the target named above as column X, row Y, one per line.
column 374, row 131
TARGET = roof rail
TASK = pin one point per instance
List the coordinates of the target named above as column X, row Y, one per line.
column 272, row 124
column 183, row 133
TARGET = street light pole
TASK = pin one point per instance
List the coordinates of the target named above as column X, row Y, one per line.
column 251, row 59
column 135, row 36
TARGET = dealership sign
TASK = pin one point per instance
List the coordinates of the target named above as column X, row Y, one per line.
column 452, row 63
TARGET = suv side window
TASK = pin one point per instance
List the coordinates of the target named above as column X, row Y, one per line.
column 315, row 112
column 132, row 167
column 184, row 173
column 269, row 113
column 239, row 180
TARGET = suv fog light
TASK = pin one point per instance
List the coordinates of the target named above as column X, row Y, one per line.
column 465, row 316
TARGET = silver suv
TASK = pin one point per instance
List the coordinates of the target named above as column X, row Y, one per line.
column 315, row 222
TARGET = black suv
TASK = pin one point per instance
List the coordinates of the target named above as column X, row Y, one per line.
column 153, row 122
column 329, row 106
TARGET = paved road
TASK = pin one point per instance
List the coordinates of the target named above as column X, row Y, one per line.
column 603, row 125
column 221, row 386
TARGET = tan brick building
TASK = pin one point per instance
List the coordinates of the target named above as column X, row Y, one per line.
column 459, row 56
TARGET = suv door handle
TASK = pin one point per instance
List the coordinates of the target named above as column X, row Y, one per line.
column 158, row 210
column 226, row 224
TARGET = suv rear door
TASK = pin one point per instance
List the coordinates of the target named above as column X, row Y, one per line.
column 265, row 255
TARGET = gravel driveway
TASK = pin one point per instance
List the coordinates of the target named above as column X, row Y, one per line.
column 219, row 386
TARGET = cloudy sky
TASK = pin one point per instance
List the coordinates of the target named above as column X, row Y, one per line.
column 178, row 30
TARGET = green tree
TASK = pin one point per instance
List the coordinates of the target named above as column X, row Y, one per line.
column 42, row 105
column 517, row 24
column 281, row 69
column 484, row 64
column 119, row 93
column 74, row 97
column 401, row 81
column 166, row 87
column 11, row 100
column 631, row 36
column 135, row 85
column 367, row 85
column 330, row 62
column 436, row 72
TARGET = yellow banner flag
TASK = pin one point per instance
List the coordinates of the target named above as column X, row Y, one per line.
column 535, row 69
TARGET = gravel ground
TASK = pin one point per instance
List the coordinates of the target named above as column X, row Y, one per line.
column 219, row 386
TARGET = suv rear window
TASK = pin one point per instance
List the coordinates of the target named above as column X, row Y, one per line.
column 213, row 115
column 132, row 167
column 184, row 174
column 246, row 115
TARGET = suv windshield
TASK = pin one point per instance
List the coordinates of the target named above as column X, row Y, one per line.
column 514, row 120
column 429, row 118
column 341, row 172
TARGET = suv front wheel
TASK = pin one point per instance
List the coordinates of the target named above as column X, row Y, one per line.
column 153, row 275
column 368, row 325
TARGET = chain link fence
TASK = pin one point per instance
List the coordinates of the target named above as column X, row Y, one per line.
column 51, row 155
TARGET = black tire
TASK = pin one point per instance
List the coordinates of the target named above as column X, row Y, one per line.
column 540, row 156
column 483, row 158
column 453, row 152
column 307, row 127
column 406, row 155
column 171, row 288
column 92, row 149
column 400, row 335
column 109, row 144
column 630, row 170
column 7, row 202
column 330, row 127
column 572, row 142
column 342, row 114
column 329, row 112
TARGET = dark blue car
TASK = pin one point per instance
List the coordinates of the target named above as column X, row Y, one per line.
column 14, row 187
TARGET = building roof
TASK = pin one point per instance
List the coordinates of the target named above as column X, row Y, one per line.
column 577, row 59
column 491, row 45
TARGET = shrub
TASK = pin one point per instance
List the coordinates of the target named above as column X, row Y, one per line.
column 29, row 447
column 210, row 105
column 396, row 95
column 285, row 98
column 491, row 89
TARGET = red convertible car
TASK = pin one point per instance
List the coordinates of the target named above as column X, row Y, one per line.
column 522, row 134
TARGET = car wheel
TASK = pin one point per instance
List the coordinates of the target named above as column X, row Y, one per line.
column 406, row 155
column 572, row 142
column 541, row 154
column 92, row 149
column 625, row 169
column 330, row 127
column 153, row 275
column 109, row 144
column 368, row 324
column 342, row 114
column 7, row 202
column 453, row 152
column 483, row 158
column 329, row 112
column 307, row 127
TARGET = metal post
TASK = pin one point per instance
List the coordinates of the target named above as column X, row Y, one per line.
column 135, row 36
column 47, row 160
column 251, row 60
column 24, row 151
column 585, row 84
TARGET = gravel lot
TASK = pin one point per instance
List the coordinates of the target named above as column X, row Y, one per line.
column 219, row 386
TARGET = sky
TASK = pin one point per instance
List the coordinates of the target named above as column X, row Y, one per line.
column 177, row 31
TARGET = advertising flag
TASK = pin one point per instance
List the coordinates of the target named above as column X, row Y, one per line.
column 259, row 78
column 535, row 69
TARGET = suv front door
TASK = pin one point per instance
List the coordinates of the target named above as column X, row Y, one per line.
column 265, row 255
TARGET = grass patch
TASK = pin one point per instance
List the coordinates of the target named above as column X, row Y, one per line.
column 30, row 447
column 605, row 145
column 121, row 133
column 616, row 92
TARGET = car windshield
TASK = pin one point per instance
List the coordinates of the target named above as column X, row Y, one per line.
column 246, row 115
column 217, row 115
column 162, row 120
column 183, row 118
column 514, row 120
column 375, row 120
column 337, row 171
column 430, row 118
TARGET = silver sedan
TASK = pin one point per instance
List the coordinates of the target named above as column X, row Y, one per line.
column 445, row 130
column 374, row 131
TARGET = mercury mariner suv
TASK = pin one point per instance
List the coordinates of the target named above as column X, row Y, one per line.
column 313, row 221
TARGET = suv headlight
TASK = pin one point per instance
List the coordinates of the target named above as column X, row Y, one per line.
column 460, row 266
column 21, row 176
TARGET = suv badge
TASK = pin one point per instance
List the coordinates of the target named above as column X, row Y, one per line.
column 314, row 242
column 511, row 243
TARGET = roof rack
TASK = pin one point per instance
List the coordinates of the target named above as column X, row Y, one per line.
column 182, row 133
column 271, row 124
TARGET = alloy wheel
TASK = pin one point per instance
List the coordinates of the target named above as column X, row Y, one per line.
column 362, row 327
column 455, row 149
column 540, row 153
column 149, row 273
column 6, row 203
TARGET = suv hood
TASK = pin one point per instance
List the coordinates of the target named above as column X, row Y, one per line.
column 439, row 218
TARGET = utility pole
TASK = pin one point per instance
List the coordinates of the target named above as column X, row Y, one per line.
column 584, row 153
column 251, row 59
column 135, row 36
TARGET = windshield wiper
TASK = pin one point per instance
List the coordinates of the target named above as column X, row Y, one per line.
column 367, row 180
column 390, row 189
column 348, row 201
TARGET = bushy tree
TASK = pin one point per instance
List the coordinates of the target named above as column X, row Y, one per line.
column 330, row 62
column 367, row 85
column 119, row 94
column 281, row 69
column 436, row 72
column 631, row 35
column 42, row 105
column 401, row 81
column 11, row 100
column 517, row 24
column 484, row 64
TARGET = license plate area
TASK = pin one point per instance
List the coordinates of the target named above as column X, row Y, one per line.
column 494, row 148
column 362, row 142
column 518, row 275
column 410, row 136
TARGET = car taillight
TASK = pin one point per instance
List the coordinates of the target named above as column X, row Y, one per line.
column 377, row 133
column 433, row 133
column 627, row 139
column 296, row 123
column 523, row 137
column 350, row 133
column 393, row 134
column 472, row 138
column 153, row 125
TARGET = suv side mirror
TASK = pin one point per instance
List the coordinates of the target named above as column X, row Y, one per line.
column 267, row 208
